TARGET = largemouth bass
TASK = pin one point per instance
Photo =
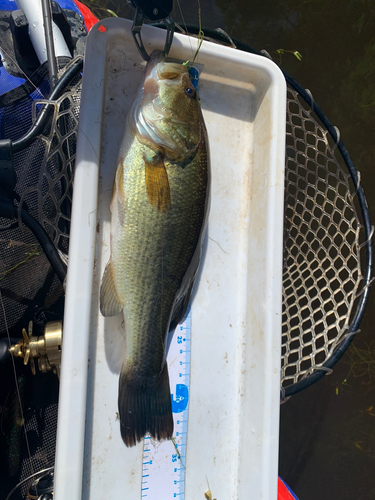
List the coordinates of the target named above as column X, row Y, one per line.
column 159, row 209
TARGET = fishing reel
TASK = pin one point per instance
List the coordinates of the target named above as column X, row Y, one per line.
column 42, row 488
column 45, row 348
column 153, row 10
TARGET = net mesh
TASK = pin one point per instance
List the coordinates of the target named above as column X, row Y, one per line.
column 30, row 289
column 44, row 184
column 51, row 190
column 322, row 268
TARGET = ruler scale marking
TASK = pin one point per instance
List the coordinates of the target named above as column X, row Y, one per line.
column 166, row 463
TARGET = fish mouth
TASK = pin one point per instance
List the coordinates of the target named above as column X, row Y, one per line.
column 159, row 69
column 156, row 57
column 163, row 69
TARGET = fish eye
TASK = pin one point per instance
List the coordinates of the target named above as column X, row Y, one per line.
column 190, row 92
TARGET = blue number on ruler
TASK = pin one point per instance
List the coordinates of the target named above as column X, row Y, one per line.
column 182, row 396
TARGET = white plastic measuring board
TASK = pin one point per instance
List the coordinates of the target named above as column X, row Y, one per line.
column 233, row 394
column 163, row 467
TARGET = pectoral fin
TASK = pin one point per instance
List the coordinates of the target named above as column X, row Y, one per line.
column 157, row 184
column 118, row 190
column 110, row 302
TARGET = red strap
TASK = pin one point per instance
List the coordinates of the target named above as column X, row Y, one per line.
column 87, row 15
column 283, row 493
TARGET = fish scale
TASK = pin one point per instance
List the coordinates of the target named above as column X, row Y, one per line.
column 163, row 465
column 140, row 257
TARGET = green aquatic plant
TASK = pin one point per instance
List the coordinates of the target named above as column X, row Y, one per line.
column 359, row 432
column 113, row 14
column 281, row 52
column 362, row 361
column 361, row 374
column 33, row 252
column 100, row 8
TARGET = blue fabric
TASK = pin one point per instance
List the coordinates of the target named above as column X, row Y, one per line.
column 68, row 4
column 64, row 4
column 7, row 81
column 8, row 5
column 16, row 118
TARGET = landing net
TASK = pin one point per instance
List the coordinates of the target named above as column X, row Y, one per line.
column 322, row 232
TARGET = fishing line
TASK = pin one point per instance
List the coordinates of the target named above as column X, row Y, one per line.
column 2, row 415
column 200, row 34
column 20, row 69
column 187, row 31
column 17, row 387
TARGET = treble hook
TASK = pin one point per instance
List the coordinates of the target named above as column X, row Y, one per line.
column 153, row 13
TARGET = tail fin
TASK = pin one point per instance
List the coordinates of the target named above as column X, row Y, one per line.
column 145, row 407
